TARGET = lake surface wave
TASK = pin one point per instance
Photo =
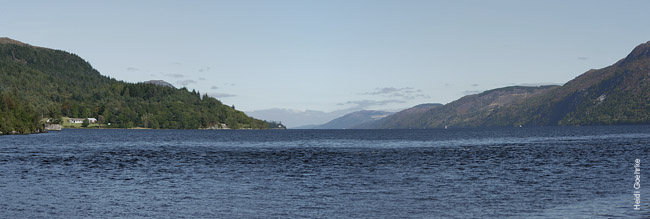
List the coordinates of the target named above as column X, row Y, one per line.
column 545, row 172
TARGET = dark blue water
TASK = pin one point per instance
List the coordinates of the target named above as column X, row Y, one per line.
column 574, row 172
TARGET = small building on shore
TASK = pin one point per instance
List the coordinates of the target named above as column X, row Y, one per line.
column 76, row 120
column 81, row 120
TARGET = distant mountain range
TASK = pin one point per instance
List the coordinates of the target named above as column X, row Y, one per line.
column 352, row 120
column 298, row 119
column 39, row 81
column 617, row 94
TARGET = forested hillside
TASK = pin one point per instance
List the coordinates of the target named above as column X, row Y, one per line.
column 56, row 83
column 17, row 116
column 617, row 94
column 468, row 111
column 354, row 119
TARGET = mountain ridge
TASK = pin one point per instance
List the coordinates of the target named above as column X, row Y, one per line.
column 352, row 120
column 7, row 40
column 616, row 94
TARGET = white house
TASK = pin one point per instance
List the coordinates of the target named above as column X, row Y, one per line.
column 80, row 120
column 76, row 120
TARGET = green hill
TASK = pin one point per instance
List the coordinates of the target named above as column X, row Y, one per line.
column 468, row 111
column 617, row 94
column 353, row 119
column 55, row 83
column 16, row 116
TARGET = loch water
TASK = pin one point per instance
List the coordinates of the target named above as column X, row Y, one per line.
column 530, row 172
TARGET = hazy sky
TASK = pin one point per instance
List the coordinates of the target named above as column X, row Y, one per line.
column 331, row 55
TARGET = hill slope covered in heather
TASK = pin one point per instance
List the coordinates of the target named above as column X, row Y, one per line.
column 353, row 119
column 617, row 94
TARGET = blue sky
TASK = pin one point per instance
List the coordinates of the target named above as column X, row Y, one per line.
column 335, row 55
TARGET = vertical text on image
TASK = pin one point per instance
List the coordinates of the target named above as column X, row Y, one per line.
column 637, row 184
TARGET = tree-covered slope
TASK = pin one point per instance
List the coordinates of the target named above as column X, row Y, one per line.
column 17, row 116
column 354, row 119
column 468, row 111
column 57, row 83
column 618, row 94
column 408, row 118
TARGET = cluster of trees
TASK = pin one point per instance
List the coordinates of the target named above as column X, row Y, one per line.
column 56, row 83
column 622, row 99
column 17, row 116
column 128, row 105
column 275, row 125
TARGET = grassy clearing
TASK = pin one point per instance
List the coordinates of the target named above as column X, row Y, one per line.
column 68, row 124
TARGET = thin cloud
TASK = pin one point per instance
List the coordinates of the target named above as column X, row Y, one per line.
column 214, row 87
column 204, row 69
column 202, row 79
column 388, row 90
column 408, row 93
column 174, row 75
column 186, row 82
column 132, row 69
column 409, row 96
column 474, row 85
column 470, row 92
column 369, row 103
column 583, row 58
column 221, row 95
